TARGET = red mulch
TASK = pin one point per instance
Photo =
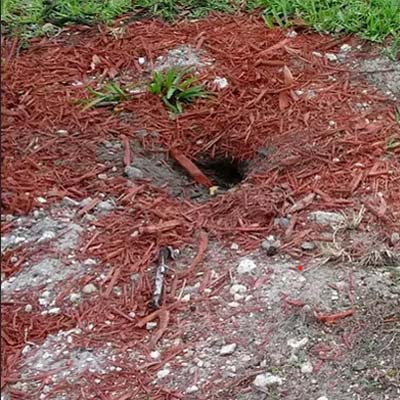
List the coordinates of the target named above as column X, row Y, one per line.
column 344, row 163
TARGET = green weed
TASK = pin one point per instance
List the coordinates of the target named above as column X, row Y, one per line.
column 393, row 50
column 176, row 88
column 397, row 114
column 112, row 94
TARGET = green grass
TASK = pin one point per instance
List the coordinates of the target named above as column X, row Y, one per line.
column 112, row 94
column 27, row 17
column 170, row 9
column 176, row 88
column 370, row 19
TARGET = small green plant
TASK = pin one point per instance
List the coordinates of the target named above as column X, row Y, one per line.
column 397, row 114
column 393, row 50
column 176, row 88
column 392, row 143
column 112, row 94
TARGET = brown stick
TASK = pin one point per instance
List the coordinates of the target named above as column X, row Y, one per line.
column 191, row 168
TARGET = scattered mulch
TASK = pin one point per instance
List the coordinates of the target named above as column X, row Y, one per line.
column 323, row 154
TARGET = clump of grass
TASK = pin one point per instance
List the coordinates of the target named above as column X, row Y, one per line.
column 370, row 19
column 112, row 94
column 171, row 9
column 392, row 51
column 397, row 114
column 27, row 17
column 23, row 17
column 176, row 87
column 89, row 11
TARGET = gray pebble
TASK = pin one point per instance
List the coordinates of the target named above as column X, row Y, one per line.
column 133, row 173
column 326, row 217
column 359, row 365
column 106, row 205
column 86, row 202
column 394, row 238
column 282, row 222
column 271, row 246
column 308, row 246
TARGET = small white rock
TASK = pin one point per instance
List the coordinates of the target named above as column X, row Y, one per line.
column 42, row 301
column 155, row 355
column 322, row 398
column 89, row 288
column 291, row 34
column 227, row 349
column 90, row 261
column 234, row 246
column 28, row 308
column 317, row 54
column 345, row 47
column 185, row 298
column 246, row 358
column 192, row 389
column 151, row 325
column 220, row 83
column 236, row 288
column 233, row 304
column 331, row 56
column 141, row 60
column 246, row 265
column 264, row 380
column 41, row 200
column 163, row 373
column 74, row 297
column 47, row 235
column 55, row 310
column 63, row 132
column 306, row 368
column 297, row 344
column 102, row 177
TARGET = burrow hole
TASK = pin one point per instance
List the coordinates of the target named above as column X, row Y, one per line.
column 225, row 172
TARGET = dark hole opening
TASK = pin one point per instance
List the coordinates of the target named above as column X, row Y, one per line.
column 225, row 172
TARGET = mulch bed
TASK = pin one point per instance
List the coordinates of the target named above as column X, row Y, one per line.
column 327, row 156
